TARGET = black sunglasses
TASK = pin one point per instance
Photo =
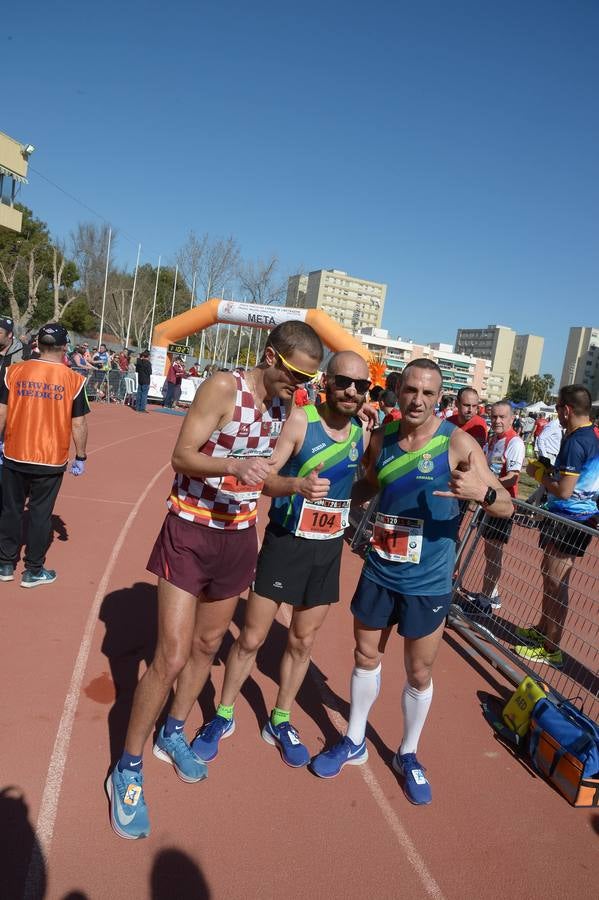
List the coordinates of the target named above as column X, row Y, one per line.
column 344, row 381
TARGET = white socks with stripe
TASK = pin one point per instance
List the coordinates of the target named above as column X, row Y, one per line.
column 365, row 687
column 415, row 705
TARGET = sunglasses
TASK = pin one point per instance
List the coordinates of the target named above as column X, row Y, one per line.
column 294, row 373
column 342, row 382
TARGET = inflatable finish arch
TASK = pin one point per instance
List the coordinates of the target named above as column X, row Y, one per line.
column 231, row 312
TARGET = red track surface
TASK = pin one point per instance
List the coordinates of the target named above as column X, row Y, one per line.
column 255, row 828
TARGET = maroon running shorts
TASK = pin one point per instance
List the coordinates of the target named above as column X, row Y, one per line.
column 200, row 560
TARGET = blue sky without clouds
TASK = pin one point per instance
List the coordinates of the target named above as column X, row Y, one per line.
column 450, row 149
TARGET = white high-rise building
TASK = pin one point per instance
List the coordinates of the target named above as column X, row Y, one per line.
column 353, row 302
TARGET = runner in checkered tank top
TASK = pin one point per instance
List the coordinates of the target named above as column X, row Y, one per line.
column 205, row 554
column 224, row 502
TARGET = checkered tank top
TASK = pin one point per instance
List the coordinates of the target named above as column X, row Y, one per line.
column 223, row 501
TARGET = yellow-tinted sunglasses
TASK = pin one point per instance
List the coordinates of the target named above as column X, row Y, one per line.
column 294, row 373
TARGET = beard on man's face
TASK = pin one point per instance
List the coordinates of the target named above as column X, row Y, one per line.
column 338, row 402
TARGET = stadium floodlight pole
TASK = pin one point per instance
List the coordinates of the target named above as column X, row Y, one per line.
column 247, row 353
column 154, row 303
column 216, row 343
column 133, row 295
column 193, row 289
column 174, row 291
column 101, row 341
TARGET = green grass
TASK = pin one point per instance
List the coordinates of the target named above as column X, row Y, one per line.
column 526, row 486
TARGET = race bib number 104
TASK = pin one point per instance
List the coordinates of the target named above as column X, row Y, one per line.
column 322, row 520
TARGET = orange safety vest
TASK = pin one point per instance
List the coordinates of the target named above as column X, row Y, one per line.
column 38, row 421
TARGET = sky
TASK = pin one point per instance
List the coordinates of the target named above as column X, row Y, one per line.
column 448, row 149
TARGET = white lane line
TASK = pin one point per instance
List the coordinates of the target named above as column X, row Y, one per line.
column 389, row 814
column 94, row 499
column 131, row 437
column 44, row 830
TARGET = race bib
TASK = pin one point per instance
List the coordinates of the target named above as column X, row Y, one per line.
column 239, row 491
column 321, row 520
column 397, row 539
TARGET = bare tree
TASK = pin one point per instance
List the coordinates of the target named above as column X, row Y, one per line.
column 214, row 262
column 89, row 247
column 261, row 282
column 64, row 277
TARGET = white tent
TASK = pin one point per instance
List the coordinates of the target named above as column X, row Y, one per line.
column 541, row 407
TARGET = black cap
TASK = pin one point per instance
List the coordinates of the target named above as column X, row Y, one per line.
column 7, row 323
column 53, row 334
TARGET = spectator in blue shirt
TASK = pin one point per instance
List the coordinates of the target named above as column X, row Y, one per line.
column 573, row 494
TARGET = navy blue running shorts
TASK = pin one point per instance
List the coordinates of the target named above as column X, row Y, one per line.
column 415, row 615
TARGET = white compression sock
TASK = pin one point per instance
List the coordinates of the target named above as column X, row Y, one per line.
column 365, row 687
column 415, row 705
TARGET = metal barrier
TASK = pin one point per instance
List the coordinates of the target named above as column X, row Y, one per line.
column 535, row 587
column 107, row 385
column 522, row 584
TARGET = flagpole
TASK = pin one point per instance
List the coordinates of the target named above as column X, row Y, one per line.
column 174, row 291
column 193, row 288
column 133, row 295
column 247, row 352
column 105, row 286
column 154, row 303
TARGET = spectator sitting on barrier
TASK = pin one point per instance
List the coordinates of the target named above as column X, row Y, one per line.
column 505, row 454
column 79, row 360
column 466, row 415
column 573, row 494
column 388, row 406
column 100, row 358
column 174, row 377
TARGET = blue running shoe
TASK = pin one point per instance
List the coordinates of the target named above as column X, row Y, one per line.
column 286, row 738
column 329, row 763
column 174, row 749
column 31, row 580
column 128, row 810
column 205, row 743
column 415, row 785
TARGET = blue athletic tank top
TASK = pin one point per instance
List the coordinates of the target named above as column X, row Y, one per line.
column 339, row 458
column 407, row 481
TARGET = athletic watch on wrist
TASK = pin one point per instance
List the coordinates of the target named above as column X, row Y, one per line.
column 81, row 458
column 490, row 497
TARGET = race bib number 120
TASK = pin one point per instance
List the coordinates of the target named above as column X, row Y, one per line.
column 397, row 539
column 322, row 520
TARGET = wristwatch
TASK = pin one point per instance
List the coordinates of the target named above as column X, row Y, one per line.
column 81, row 458
column 490, row 497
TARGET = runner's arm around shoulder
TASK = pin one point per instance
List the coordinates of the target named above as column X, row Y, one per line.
column 212, row 408
column 471, row 477
column 290, row 442
column 368, row 485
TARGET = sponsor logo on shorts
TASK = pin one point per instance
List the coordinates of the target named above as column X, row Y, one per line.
column 437, row 608
column 277, row 584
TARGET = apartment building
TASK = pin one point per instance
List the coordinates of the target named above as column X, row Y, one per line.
column 506, row 350
column 581, row 352
column 459, row 369
column 355, row 303
column 14, row 157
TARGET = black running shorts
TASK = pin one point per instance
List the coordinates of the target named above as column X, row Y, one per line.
column 297, row 570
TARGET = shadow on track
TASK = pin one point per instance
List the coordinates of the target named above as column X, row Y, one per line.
column 175, row 874
column 19, row 847
column 130, row 616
